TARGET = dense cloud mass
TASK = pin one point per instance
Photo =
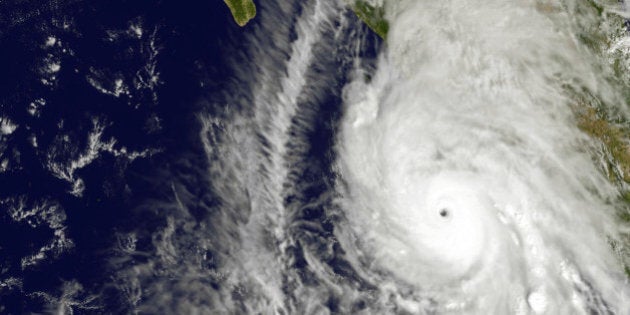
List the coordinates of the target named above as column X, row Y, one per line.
column 467, row 173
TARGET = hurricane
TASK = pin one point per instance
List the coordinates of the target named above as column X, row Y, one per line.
column 467, row 176
column 444, row 170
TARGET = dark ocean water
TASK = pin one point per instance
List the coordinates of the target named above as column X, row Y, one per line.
column 93, row 39
column 102, row 99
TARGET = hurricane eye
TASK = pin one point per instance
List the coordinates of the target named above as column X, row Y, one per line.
column 444, row 212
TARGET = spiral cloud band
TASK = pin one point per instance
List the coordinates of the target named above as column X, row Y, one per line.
column 466, row 175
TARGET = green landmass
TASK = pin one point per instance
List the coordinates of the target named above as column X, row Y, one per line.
column 614, row 138
column 242, row 10
column 599, row 120
column 605, row 122
column 374, row 17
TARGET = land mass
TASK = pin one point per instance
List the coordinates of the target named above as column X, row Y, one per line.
column 374, row 17
column 242, row 10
